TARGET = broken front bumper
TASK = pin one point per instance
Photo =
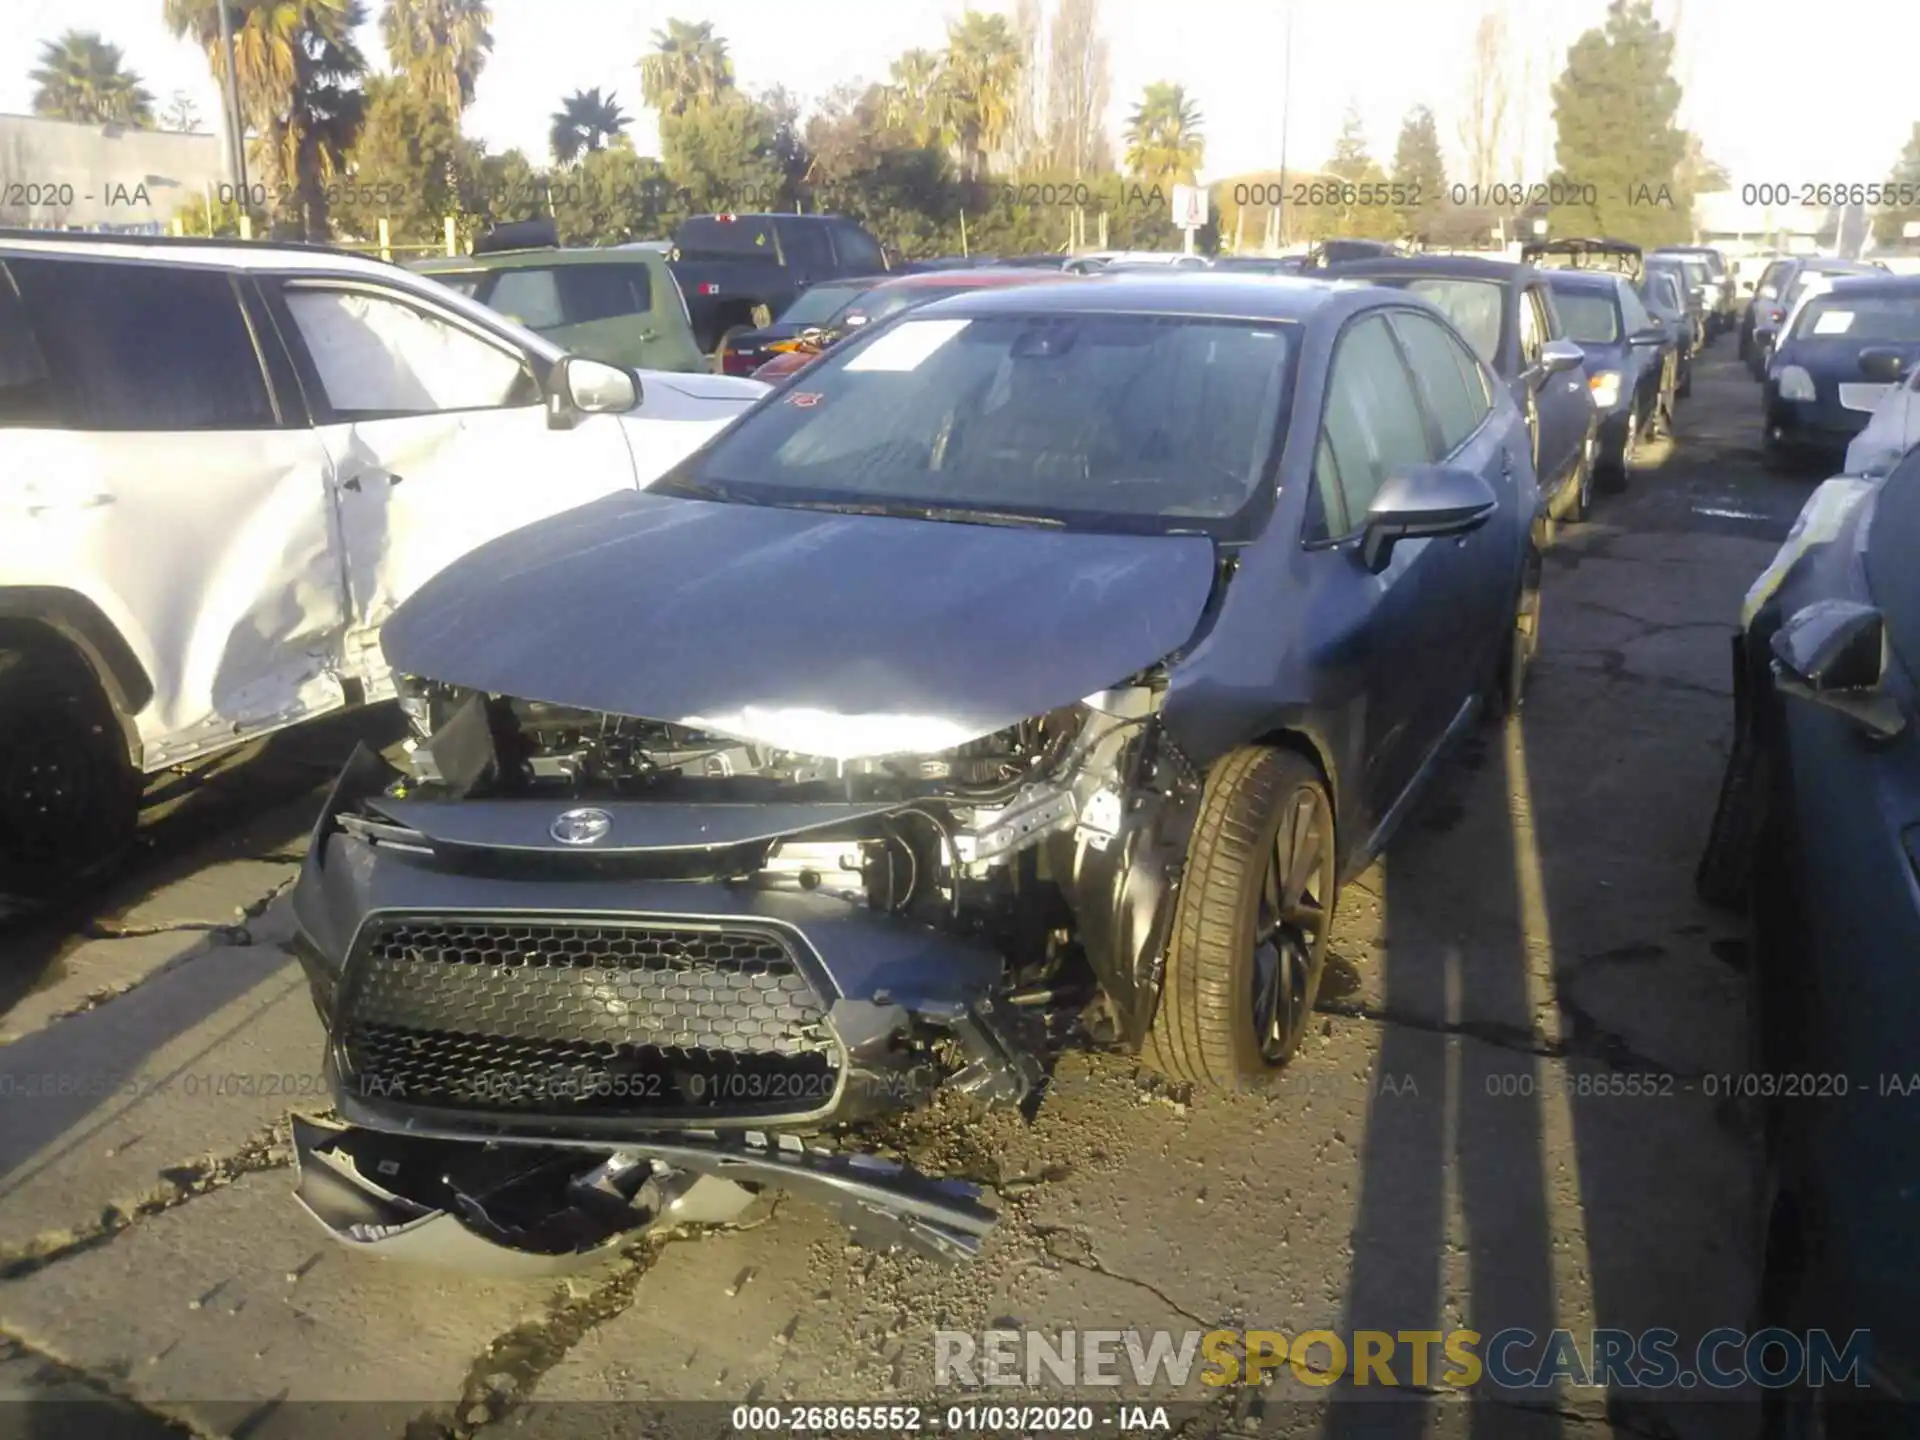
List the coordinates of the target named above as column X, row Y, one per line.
column 475, row 989
column 524, row 1210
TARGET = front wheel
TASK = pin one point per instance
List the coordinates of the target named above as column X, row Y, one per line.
column 1508, row 691
column 1582, row 506
column 1250, row 924
column 69, row 798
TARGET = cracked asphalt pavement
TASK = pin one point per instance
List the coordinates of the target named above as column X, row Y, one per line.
column 1443, row 1152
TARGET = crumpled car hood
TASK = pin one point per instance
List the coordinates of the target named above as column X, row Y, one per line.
column 841, row 636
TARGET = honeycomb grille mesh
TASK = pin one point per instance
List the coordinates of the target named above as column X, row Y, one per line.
column 560, row 1017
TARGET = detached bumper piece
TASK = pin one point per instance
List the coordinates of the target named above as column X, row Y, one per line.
column 525, row 1210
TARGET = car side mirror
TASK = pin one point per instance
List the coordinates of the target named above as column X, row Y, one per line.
column 1557, row 357
column 1654, row 334
column 1834, row 653
column 1420, row 501
column 1883, row 364
column 590, row 387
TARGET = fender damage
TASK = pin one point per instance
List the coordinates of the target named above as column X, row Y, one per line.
column 659, row 964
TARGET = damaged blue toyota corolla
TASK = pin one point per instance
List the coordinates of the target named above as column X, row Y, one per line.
column 1046, row 653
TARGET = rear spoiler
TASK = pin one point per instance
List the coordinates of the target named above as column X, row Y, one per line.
column 1617, row 256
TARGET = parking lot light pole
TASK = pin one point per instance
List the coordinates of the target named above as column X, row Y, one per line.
column 236, row 126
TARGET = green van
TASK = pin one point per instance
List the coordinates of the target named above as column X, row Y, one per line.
column 621, row 305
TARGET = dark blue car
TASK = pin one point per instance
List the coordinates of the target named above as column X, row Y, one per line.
column 1818, row 831
column 1632, row 360
column 1506, row 312
column 1848, row 347
column 1041, row 649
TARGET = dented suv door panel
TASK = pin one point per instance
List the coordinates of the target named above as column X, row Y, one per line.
column 157, row 473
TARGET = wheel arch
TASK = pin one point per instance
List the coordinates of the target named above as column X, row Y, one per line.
column 49, row 619
column 1315, row 752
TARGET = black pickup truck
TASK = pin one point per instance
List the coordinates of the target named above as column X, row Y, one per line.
column 739, row 271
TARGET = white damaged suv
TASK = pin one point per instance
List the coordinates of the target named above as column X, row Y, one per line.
column 222, row 466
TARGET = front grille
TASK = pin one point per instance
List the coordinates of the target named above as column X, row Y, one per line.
column 589, row 1018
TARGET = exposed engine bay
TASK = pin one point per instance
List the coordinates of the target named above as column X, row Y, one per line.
column 561, row 927
column 969, row 839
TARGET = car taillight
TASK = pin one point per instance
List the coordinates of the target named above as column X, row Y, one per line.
column 1776, row 315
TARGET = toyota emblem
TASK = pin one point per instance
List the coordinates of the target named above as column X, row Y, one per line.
column 581, row 827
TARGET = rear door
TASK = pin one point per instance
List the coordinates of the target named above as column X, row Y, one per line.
column 632, row 303
column 1371, row 426
column 148, row 464
column 1565, row 406
column 439, row 436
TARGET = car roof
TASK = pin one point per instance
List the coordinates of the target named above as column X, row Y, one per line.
column 1834, row 265
column 1200, row 293
column 541, row 255
column 214, row 254
column 1474, row 267
column 1895, row 286
column 964, row 279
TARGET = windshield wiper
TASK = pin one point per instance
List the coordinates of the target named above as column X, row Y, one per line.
column 952, row 513
column 686, row 488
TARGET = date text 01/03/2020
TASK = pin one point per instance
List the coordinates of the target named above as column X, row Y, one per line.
column 1658, row 1084
column 967, row 1419
column 195, row 1084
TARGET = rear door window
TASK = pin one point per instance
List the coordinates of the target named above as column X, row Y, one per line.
column 808, row 249
column 132, row 346
column 732, row 237
column 604, row 292
column 859, row 253
column 530, row 296
column 27, row 395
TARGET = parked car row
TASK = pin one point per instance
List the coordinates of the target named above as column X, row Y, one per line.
column 774, row 764
column 1816, row 835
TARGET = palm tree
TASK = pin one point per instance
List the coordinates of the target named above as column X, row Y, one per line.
column 980, row 83
column 1163, row 135
column 689, row 64
column 298, row 70
column 81, row 78
column 439, row 45
column 584, row 122
column 916, row 100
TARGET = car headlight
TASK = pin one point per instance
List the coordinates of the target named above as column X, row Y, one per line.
column 1795, row 383
column 1606, row 389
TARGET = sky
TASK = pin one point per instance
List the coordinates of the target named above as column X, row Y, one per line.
column 1840, row 116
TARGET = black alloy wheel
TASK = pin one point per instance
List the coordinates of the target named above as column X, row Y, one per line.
column 1248, row 939
column 1291, row 929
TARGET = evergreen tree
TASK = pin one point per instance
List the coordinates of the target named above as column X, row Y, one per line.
column 1418, row 168
column 1892, row 219
column 1618, row 143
